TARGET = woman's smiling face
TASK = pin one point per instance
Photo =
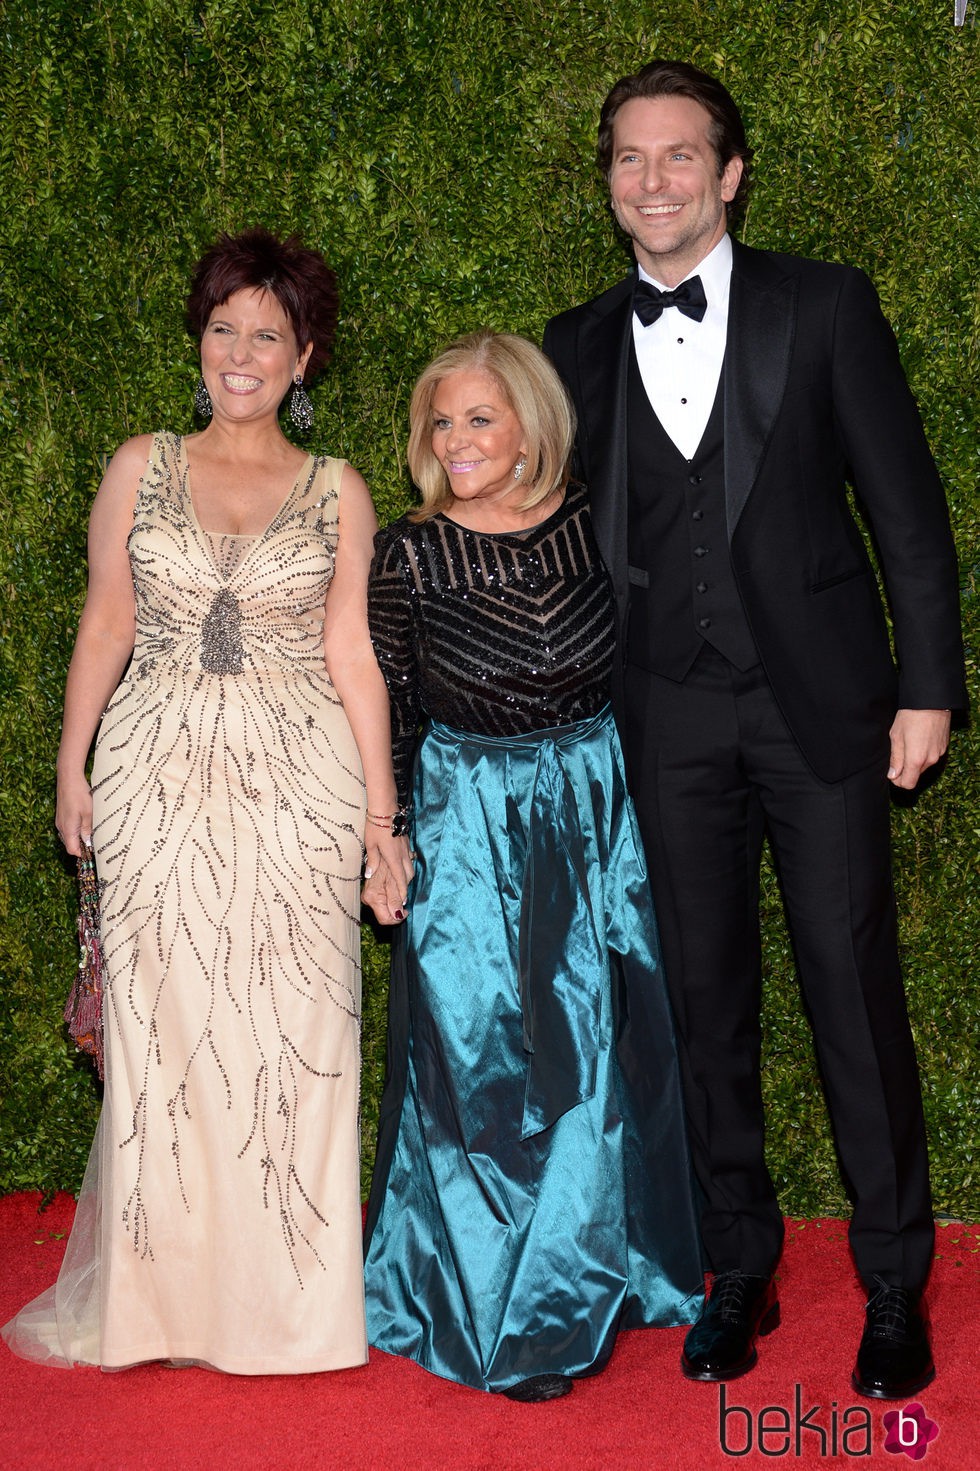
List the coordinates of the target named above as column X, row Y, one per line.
column 249, row 355
column 477, row 437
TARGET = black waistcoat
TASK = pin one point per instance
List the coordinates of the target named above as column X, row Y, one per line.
column 682, row 588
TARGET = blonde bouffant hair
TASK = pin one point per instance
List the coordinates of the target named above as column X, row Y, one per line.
column 533, row 390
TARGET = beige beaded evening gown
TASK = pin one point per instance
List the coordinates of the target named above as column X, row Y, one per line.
column 220, row 1218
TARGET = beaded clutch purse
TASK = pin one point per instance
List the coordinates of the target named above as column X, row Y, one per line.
column 83, row 1009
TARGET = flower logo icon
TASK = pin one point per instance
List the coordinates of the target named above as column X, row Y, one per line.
column 909, row 1431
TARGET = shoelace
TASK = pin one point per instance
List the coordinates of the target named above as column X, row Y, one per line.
column 729, row 1290
column 890, row 1309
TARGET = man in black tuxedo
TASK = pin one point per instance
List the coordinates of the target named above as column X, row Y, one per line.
column 725, row 397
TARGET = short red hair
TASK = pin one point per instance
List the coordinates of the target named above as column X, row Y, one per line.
column 300, row 280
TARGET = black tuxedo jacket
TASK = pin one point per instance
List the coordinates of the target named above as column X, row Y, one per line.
column 815, row 399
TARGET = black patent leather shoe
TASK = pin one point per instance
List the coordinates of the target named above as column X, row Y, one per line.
column 721, row 1345
column 541, row 1387
column 894, row 1359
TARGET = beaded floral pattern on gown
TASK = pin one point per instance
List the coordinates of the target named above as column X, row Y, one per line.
column 220, row 1218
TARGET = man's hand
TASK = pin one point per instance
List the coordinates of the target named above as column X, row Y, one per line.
column 918, row 740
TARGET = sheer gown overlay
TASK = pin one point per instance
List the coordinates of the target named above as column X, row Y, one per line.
column 220, row 1216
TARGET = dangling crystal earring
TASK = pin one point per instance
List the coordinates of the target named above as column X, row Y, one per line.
column 520, row 467
column 202, row 400
column 300, row 405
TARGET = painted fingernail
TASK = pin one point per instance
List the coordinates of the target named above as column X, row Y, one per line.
column 369, row 873
column 399, row 913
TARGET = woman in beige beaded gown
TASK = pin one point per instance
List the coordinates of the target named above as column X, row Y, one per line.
column 235, row 766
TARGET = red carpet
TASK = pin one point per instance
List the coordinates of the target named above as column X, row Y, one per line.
column 640, row 1413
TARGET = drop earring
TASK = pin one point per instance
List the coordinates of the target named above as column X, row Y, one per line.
column 202, row 400
column 520, row 467
column 300, row 405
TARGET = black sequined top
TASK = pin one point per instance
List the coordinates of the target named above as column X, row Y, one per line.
column 497, row 633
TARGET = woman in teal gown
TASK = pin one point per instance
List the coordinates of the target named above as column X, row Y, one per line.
column 532, row 1193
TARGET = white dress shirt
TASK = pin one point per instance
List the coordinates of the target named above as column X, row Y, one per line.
column 680, row 359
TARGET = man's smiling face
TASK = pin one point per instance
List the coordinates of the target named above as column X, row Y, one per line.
column 668, row 192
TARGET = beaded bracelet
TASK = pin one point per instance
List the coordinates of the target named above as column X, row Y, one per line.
column 394, row 822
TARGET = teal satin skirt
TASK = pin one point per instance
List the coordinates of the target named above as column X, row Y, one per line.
column 533, row 1191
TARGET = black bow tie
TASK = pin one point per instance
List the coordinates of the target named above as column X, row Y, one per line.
column 688, row 297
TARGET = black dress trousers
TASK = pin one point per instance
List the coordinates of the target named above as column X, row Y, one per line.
column 713, row 769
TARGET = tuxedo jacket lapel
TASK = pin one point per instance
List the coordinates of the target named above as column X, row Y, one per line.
column 761, row 334
column 603, row 368
column 762, row 316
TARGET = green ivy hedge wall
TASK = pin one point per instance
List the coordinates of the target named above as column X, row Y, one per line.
column 440, row 154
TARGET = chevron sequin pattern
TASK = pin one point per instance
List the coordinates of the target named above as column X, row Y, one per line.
column 497, row 634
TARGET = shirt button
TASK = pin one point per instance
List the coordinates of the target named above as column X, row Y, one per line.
column 683, row 400
column 704, row 622
column 702, row 587
column 694, row 479
column 697, row 515
column 700, row 551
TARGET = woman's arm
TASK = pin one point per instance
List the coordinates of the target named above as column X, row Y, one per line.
column 355, row 675
column 395, row 639
column 106, row 632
